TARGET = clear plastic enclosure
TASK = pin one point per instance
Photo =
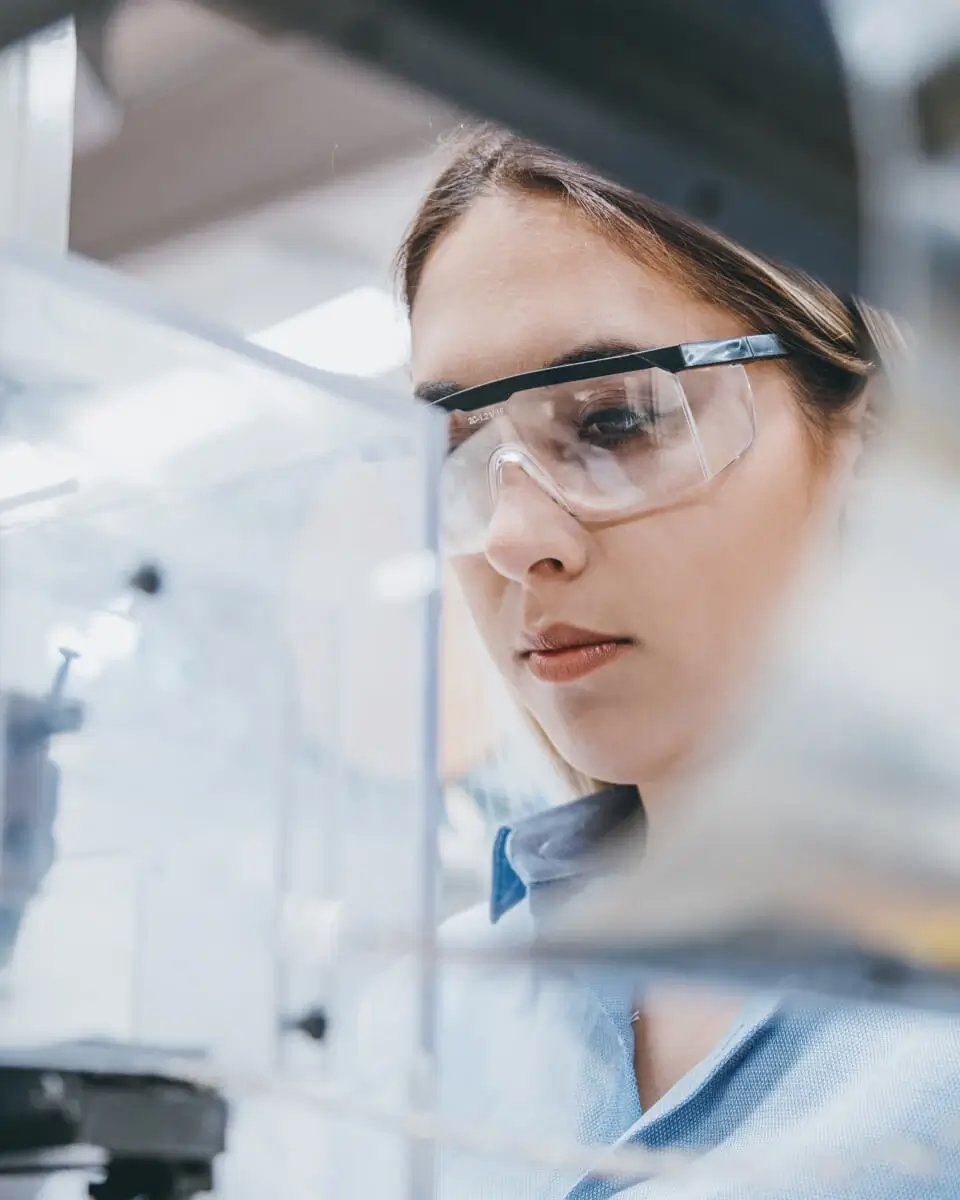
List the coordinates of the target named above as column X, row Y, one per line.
column 217, row 627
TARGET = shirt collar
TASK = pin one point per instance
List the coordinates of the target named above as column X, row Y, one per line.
column 553, row 850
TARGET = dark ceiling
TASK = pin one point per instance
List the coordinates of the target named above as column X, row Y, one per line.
column 732, row 111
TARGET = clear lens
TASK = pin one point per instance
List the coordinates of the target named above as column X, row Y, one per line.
column 465, row 498
column 610, row 446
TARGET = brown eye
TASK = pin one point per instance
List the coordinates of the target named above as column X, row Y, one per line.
column 614, row 424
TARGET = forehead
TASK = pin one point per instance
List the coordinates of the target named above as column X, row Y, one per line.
column 520, row 281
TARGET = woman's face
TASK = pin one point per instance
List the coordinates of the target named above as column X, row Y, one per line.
column 688, row 590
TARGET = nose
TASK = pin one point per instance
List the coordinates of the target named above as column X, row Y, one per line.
column 531, row 533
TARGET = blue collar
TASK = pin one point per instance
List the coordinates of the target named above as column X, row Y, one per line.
column 551, row 851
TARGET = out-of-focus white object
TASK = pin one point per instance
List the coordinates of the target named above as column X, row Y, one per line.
column 110, row 635
column 37, row 88
column 27, row 474
column 132, row 436
column 362, row 333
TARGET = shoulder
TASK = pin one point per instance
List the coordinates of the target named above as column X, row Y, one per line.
column 855, row 1034
column 879, row 1087
column 848, row 1049
column 474, row 929
column 471, row 926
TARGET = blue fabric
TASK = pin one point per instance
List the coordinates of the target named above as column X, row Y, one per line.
column 31, row 798
column 799, row 1101
column 546, row 854
column 507, row 889
column 796, row 1102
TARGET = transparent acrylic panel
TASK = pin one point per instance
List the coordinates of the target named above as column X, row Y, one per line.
column 366, row 612
column 217, row 663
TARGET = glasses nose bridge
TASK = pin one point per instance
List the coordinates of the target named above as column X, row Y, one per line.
column 515, row 456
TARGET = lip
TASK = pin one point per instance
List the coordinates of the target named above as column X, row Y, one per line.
column 563, row 653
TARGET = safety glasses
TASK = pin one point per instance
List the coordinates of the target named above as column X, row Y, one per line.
column 606, row 439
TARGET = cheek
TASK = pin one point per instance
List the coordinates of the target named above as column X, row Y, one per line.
column 723, row 567
column 482, row 591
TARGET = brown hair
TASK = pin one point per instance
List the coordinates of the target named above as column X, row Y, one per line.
column 837, row 344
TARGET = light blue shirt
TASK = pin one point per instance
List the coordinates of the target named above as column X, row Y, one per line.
column 796, row 1102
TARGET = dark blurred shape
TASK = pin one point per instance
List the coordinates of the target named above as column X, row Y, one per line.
column 21, row 18
column 147, row 579
column 31, row 722
column 92, row 26
column 31, row 785
column 735, row 113
column 939, row 110
column 314, row 1024
column 159, row 1135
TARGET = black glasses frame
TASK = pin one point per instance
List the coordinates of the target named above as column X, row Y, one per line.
column 688, row 356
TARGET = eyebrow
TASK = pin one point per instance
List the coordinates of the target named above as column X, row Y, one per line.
column 441, row 389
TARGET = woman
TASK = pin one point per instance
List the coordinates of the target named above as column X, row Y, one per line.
column 625, row 532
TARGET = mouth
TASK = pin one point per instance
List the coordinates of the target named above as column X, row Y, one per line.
column 563, row 653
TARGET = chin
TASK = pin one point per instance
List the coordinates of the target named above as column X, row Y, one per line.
column 613, row 753
column 618, row 745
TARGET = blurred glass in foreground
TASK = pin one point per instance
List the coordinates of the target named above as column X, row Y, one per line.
column 184, row 869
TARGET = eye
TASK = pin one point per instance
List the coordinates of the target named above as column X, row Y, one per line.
column 614, row 425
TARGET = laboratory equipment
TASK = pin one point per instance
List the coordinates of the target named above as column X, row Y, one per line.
column 849, row 772
column 120, row 1117
column 185, row 522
